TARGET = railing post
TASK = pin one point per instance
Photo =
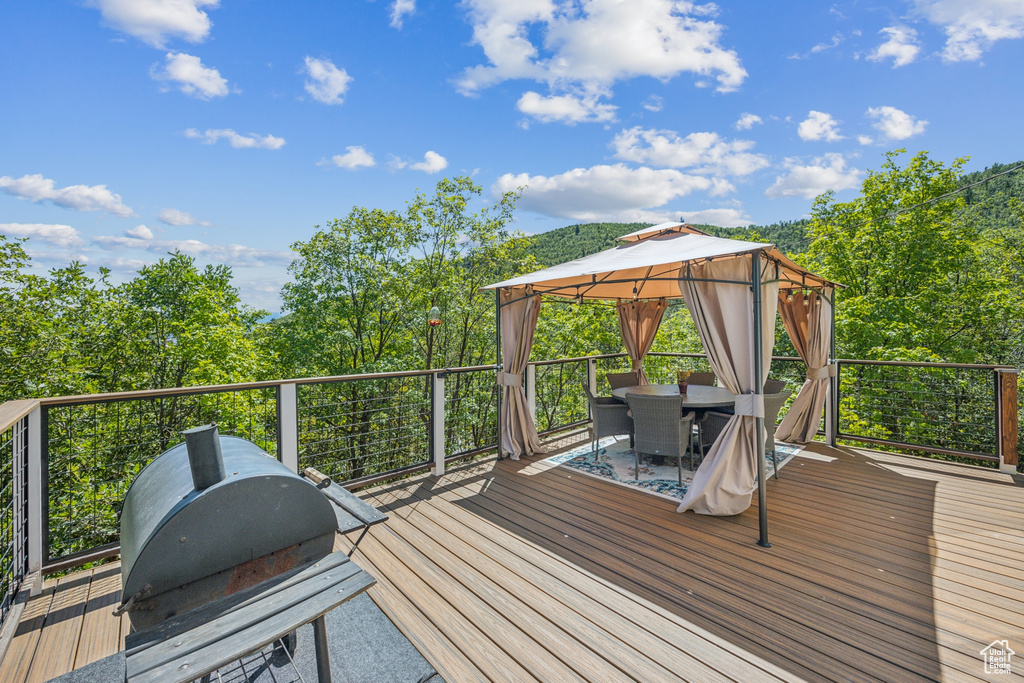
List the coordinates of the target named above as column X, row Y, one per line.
column 36, row 499
column 531, row 390
column 1006, row 419
column 288, row 425
column 592, row 375
column 832, row 408
column 437, row 422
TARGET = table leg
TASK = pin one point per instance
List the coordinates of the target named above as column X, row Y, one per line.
column 323, row 658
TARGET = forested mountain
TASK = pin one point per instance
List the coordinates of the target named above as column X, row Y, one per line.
column 994, row 200
column 575, row 241
column 991, row 203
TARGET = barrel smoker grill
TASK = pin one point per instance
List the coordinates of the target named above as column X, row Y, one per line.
column 210, row 517
column 224, row 550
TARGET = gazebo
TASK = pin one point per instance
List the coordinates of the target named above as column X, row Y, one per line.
column 733, row 290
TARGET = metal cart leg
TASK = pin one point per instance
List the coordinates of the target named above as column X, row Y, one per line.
column 323, row 658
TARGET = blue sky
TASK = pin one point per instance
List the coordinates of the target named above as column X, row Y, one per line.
column 228, row 129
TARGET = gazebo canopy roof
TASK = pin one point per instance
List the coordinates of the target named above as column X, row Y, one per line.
column 649, row 263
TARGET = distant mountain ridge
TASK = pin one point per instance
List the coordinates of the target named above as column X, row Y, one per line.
column 576, row 241
column 992, row 200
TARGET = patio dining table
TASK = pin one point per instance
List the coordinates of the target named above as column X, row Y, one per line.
column 697, row 397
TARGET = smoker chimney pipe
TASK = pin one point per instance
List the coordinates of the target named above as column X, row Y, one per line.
column 204, row 456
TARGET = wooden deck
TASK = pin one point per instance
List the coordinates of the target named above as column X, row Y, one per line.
column 883, row 568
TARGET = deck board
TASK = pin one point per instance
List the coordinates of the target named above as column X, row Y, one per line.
column 799, row 592
column 722, row 596
column 550, row 620
column 883, row 567
column 17, row 663
column 101, row 630
column 58, row 640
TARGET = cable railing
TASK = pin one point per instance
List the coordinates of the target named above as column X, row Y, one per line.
column 352, row 430
column 362, row 429
column 946, row 408
column 13, row 512
column 94, row 450
column 357, row 429
column 560, row 402
column 470, row 411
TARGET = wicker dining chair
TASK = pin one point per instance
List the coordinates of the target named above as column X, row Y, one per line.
column 774, row 386
column 660, row 428
column 623, row 379
column 704, row 379
column 610, row 416
column 714, row 423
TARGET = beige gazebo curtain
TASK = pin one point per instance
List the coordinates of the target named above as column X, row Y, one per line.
column 519, row 311
column 638, row 323
column 723, row 315
column 808, row 320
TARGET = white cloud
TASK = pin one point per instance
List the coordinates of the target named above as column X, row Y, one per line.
column 141, row 238
column 901, row 45
column 827, row 172
column 327, row 83
column 725, row 218
column 819, row 126
column 252, row 140
column 747, row 121
column 821, row 47
column 569, row 109
column 131, row 265
column 36, row 188
column 432, row 163
column 865, row 140
column 722, row 217
column 973, row 27
column 176, row 217
column 601, row 192
column 653, row 103
column 191, row 76
column 587, row 47
column 706, row 153
column 894, row 123
column 63, row 236
column 155, row 21
column 140, row 232
column 354, row 157
column 399, row 8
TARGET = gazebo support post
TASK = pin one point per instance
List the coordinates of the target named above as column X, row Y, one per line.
column 832, row 416
column 497, row 360
column 762, row 478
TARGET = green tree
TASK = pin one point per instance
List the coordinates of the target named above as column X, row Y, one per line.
column 458, row 253
column 49, row 327
column 363, row 285
column 176, row 325
column 920, row 281
column 348, row 298
column 359, row 301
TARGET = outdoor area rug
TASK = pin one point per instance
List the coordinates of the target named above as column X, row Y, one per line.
column 615, row 462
